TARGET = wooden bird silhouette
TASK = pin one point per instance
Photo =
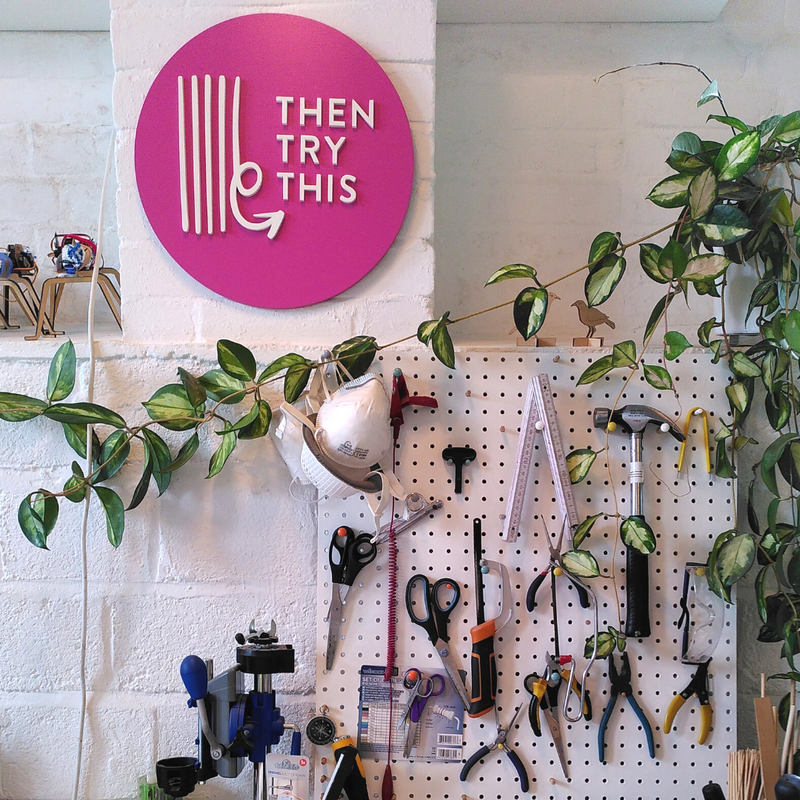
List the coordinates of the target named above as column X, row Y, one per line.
column 592, row 318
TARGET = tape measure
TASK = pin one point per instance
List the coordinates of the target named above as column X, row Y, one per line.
column 539, row 416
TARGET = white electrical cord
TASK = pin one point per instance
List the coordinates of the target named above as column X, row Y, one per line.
column 87, row 501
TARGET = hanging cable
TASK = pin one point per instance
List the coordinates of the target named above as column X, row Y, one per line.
column 89, row 468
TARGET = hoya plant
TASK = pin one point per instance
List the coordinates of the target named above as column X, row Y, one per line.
column 729, row 197
column 731, row 193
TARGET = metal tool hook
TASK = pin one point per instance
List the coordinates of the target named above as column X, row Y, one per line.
column 565, row 706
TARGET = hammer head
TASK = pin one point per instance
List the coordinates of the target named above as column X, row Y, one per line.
column 634, row 419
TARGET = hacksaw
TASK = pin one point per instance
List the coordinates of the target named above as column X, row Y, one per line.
column 539, row 416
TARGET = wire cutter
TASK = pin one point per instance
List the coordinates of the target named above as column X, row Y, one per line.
column 347, row 556
column 697, row 686
column 499, row 743
column 621, row 685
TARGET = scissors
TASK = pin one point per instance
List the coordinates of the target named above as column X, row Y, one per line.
column 420, row 688
column 348, row 555
column 434, row 621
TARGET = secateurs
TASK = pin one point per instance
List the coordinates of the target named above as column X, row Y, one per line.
column 544, row 695
column 556, row 569
column 484, row 666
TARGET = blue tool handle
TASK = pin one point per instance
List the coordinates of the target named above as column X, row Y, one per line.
column 583, row 596
column 519, row 767
column 530, row 598
column 648, row 731
column 472, row 761
column 295, row 743
column 601, row 731
column 195, row 677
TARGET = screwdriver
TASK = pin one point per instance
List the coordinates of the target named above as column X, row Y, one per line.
column 484, row 668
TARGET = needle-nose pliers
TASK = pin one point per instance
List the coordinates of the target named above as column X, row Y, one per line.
column 621, row 685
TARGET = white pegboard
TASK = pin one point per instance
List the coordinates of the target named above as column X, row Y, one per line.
column 480, row 405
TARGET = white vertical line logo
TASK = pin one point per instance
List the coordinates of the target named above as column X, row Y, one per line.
column 203, row 166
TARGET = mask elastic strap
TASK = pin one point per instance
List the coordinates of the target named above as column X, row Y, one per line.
column 289, row 409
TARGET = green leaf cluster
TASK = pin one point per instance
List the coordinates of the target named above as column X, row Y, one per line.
column 188, row 406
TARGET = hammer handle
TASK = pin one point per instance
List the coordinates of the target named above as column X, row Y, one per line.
column 637, row 604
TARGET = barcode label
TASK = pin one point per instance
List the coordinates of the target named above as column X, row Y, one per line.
column 448, row 753
column 449, row 738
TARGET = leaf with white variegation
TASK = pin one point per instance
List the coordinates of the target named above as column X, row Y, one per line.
column 580, row 563
column 702, row 193
column 579, row 462
column 510, row 271
column 638, row 535
column 735, row 557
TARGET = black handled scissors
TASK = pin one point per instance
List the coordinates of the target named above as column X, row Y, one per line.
column 347, row 556
column 436, row 602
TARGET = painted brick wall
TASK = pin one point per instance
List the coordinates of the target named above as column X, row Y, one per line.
column 198, row 564
column 534, row 157
column 55, row 132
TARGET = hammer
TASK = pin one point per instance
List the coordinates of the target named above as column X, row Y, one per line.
column 634, row 420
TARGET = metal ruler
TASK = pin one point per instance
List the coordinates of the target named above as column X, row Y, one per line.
column 539, row 416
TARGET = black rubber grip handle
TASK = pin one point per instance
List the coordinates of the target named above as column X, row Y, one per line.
column 472, row 761
column 519, row 767
column 583, row 596
column 484, row 670
column 530, row 598
column 637, row 604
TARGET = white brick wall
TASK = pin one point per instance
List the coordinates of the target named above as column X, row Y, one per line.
column 533, row 159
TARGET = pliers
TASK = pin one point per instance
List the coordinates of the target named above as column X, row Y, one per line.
column 697, row 686
column 499, row 743
column 544, row 695
column 621, row 685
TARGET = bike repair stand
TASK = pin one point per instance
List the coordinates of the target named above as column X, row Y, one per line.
column 233, row 724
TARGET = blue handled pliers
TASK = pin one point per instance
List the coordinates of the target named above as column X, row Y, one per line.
column 621, row 685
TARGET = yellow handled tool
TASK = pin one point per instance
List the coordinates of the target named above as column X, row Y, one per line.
column 697, row 686
column 696, row 412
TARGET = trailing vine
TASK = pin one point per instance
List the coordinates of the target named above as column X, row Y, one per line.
column 733, row 202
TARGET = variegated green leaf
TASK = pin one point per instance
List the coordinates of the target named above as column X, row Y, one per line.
column 672, row 192
column 223, row 452
column 596, row 370
column 705, row 267
column 510, row 271
column 115, row 513
column 638, row 535
column 603, row 279
column 710, row 93
column 675, row 343
column 624, row 354
column 584, row 529
column 579, row 462
column 735, row 558
column 737, row 156
column 580, row 563
column 657, row 377
column 648, row 259
column 530, row 310
column 61, row 377
column 702, row 193
column 236, row 360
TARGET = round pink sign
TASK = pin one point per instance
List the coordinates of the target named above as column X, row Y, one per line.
column 274, row 160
